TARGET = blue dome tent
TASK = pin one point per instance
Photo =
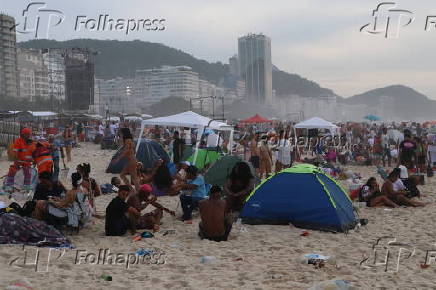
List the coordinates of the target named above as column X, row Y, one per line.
column 148, row 153
column 304, row 196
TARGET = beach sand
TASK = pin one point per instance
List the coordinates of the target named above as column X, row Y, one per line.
column 262, row 257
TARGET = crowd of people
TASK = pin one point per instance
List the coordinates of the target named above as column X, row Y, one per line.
column 264, row 151
column 270, row 150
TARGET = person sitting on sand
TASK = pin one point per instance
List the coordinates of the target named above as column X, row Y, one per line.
column 214, row 224
column 195, row 191
column 116, row 182
column 160, row 179
column 398, row 185
column 146, row 176
column 411, row 184
column 140, row 201
column 74, row 205
column 47, row 187
column 331, row 155
column 88, row 182
column 397, row 197
column 117, row 222
column 370, row 193
column 111, row 187
column 180, row 176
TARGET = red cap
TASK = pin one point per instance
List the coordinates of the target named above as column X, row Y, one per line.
column 146, row 188
column 26, row 131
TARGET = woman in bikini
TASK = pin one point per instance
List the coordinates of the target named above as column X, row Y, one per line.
column 131, row 167
column 68, row 140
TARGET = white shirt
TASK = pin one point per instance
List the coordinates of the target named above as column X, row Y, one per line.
column 398, row 185
column 385, row 141
column 187, row 137
column 101, row 129
column 404, row 173
column 284, row 152
column 112, row 128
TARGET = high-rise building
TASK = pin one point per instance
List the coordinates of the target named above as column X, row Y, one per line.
column 9, row 83
column 33, row 75
column 255, row 67
column 116, row 96
column 79, row 79
column 153, row 85
column 54, row 59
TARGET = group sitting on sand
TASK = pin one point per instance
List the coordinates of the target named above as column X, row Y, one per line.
column 393, row 192
column 217, row 214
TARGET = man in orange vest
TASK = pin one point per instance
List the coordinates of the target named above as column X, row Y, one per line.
column 23, row 148
column 42, row 157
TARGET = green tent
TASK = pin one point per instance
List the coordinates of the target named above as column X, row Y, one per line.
column 187, row 152
column 204, row 158
column 218, row 172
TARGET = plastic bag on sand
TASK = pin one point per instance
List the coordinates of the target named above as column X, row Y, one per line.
column 310, row 258
column 331, row 285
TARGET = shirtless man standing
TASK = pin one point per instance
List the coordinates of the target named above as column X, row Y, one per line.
column 254, row 150
column 131, row 165
column 214, row 225
column 265, row 158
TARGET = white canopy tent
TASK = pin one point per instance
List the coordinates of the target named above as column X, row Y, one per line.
column 114, row 119
column 146, row 116
column 187, row 119
column 316, row 123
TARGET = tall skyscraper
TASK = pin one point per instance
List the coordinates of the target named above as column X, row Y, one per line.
column 9, row 84
column 254, row 54
column 79, row 79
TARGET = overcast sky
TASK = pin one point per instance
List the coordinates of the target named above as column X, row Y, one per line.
column 317, row 39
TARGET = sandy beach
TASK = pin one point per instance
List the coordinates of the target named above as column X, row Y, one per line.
column 261, row 257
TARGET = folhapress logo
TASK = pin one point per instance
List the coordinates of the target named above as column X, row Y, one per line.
column 40, row 20
column 107, row 23
column 388, row 20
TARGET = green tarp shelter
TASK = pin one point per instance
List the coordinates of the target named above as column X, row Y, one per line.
column 204, row 158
